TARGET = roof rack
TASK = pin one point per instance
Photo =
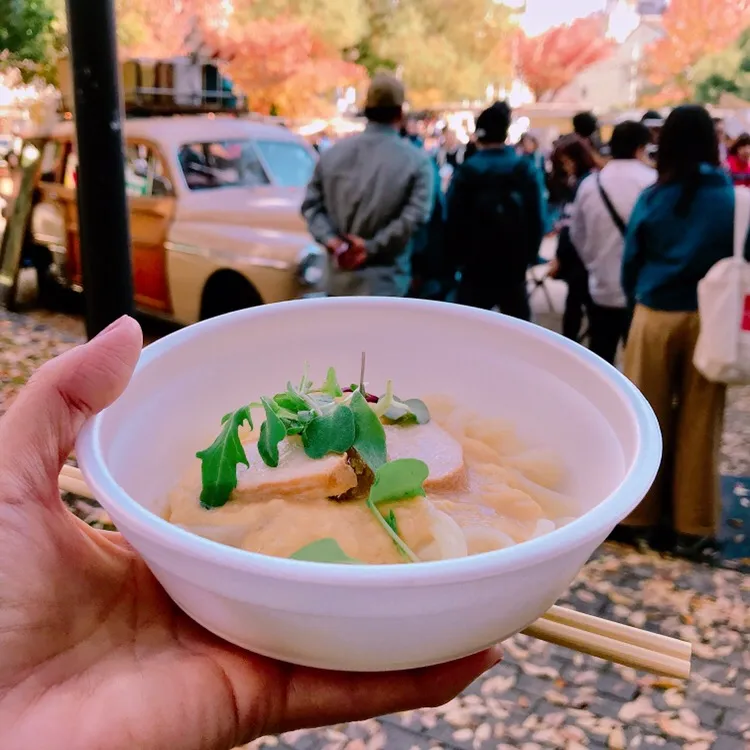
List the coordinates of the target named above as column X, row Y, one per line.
column 176, row 86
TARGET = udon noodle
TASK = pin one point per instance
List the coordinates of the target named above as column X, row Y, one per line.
column 485, row 491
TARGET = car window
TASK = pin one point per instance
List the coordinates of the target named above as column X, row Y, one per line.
column 144, row 172
column 290, row 164
column 219, row 164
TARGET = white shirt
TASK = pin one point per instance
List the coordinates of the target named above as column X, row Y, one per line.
column 593, row 231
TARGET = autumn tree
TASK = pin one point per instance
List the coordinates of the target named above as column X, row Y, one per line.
column 723, row 72
column 280, row 53
column 445, row 50
column 283, row 67
column 548, row 62
column 29, row 37
column 161, row 28
column 693, row 29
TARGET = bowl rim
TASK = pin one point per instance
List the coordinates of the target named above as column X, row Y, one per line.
column 586, row 528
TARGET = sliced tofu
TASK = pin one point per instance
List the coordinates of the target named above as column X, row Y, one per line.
column 430, row 443
column 296, row 477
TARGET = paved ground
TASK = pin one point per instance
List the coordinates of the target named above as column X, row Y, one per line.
column 542, row 696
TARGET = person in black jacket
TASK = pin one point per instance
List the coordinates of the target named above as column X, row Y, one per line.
column 494, row 220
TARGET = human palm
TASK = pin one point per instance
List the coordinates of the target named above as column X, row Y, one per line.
column 93, row 654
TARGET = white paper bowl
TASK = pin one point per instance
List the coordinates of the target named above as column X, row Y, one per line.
column 370, row 618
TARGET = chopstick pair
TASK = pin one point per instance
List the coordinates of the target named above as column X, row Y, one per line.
column 621, row 644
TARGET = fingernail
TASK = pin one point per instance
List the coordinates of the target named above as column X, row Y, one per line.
column 111, row 327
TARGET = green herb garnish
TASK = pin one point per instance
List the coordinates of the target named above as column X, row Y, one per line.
column 329, row 433
column 369, row 439
column 331, row 385
column 397, row 480
column 272, row 432
column 324, row 551
column 395, row 411
column 219, row 461
column 391, row 520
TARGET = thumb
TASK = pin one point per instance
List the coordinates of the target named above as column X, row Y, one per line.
column 39, row 430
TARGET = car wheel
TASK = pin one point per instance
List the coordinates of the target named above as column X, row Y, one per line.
column 225, row 292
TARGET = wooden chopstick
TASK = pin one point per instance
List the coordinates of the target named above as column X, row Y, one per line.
column 625, row 633
column 612, row 641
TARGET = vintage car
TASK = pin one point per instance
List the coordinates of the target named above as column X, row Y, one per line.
column 214, row 215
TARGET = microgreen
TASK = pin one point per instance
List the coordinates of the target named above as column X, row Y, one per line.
column 324, row 551
column 272, row 432
column 397, row 480
column 290, row 400
column 219, row 461
column 369, row 440
column 331, row 385
column 390, row 519
column 329, row 433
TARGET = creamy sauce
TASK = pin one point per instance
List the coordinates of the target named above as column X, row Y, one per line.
column 486, row 491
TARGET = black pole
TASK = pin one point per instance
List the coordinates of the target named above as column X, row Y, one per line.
column 102, row 203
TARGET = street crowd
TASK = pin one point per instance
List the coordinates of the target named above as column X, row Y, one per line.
column 638, row 221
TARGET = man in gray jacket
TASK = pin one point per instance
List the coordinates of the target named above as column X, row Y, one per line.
column 369, row 195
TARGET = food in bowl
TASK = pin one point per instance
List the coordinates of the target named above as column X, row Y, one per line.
column 338, row 475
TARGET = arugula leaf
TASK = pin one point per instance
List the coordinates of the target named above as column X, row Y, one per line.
column 369, row 440
column 399, row 480
column 331, row 385
column 324, row 551
column 329, row 433
column 272, row 432
column 219, row 461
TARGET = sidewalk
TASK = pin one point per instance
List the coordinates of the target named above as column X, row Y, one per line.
column 544, row 697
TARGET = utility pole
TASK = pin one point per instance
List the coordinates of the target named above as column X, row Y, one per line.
column 103, row 220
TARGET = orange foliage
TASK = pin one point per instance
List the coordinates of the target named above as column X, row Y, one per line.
column 550, row 61
column 693, row 29
column 162, row 28
column 279, row 64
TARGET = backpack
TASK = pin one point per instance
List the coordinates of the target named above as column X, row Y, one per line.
column 722, row 353
column 499, row 215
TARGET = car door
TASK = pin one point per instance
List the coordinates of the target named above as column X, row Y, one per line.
column 152, row 205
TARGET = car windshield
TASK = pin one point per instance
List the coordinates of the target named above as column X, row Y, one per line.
column 291, row 164
column 236, row 163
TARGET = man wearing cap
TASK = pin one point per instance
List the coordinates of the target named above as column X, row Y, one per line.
column 369, row 195
column 495, row 219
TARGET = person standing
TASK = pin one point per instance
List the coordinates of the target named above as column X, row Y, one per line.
column 494, row 220
column 572, row 162
column 598, row 225
column 738, row 160
column 368, row 197
column 679, row 229
column 586, row 127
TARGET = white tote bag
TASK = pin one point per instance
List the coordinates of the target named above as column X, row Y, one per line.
column 722, row 354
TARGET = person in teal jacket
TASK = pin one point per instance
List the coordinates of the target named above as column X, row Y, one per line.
column 679, row 229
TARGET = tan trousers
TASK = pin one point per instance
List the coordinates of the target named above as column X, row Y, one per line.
column 690, row 410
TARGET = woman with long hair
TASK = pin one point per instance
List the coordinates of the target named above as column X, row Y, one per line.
column 679, row 229
column 572, row 162
column 738, row 160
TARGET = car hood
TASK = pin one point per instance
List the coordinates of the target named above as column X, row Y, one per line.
column 261, row 207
